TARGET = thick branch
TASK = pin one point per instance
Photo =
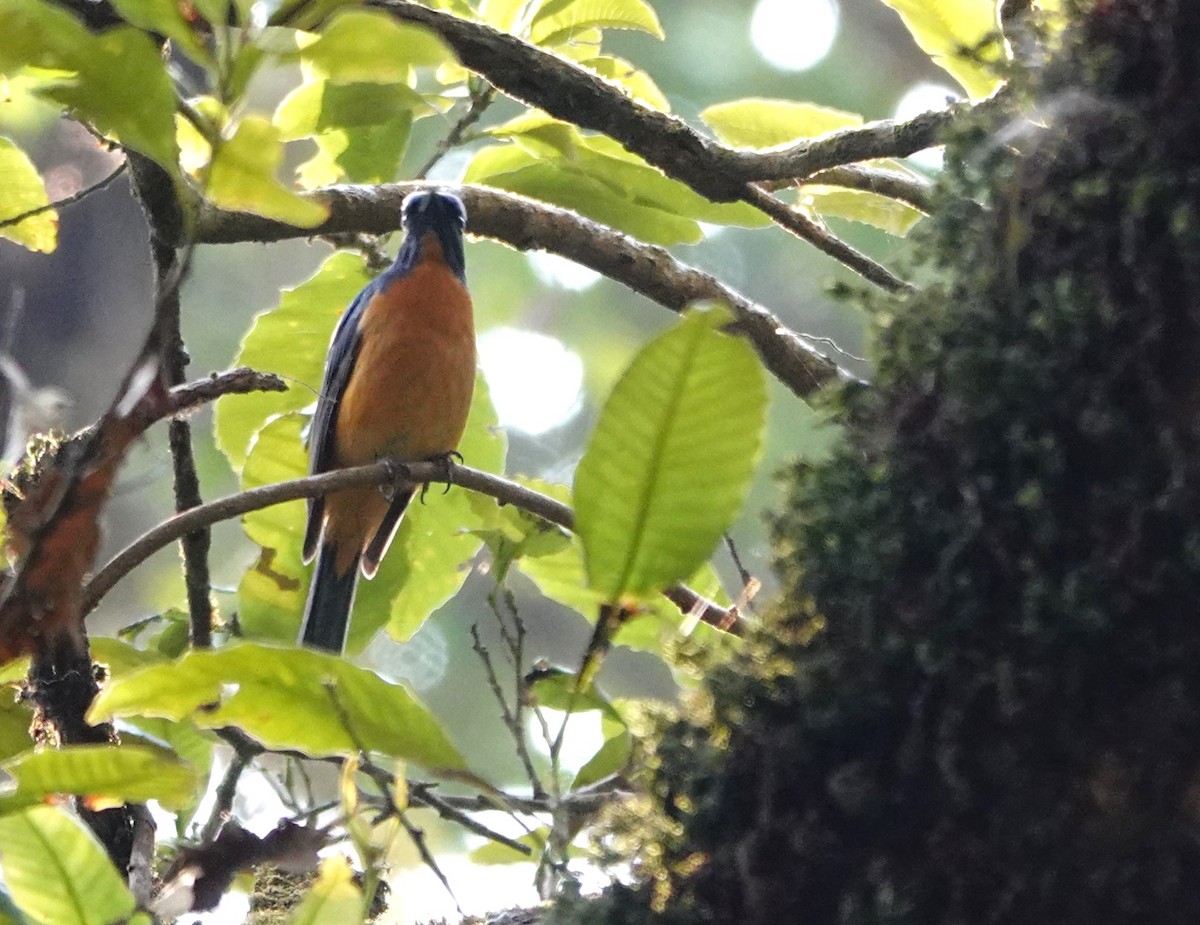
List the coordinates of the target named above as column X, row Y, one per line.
column 574, row 94
column 528, row 225
column 503, row 490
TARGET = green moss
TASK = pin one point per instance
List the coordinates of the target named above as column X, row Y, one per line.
column 999, row 720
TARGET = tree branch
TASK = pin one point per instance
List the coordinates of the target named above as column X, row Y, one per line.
column 567, row 91
column 503, row 490
column 526, row 224
column 68, row 200
column 815, row 233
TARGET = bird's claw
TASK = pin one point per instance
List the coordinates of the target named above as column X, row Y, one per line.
column 446, row 463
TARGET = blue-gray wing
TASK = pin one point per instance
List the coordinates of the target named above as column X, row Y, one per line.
column 343, row 350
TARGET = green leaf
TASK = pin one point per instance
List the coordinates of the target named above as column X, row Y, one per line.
column 670, row 459
column 763, row 123
column 948, row 31
column 496, row 853
column 290, row 340
column 286, row 699
column 367, row 154
column 21, row 190
column 362, row 45
column 891, row 215
column 15, row 719
column 166, row 18
column 115, row 79
column 57, row 872
column 334, row 899
column 103, row 774
column 636, row 83
column 242, row 174
column 612, row 756
column 321, row 106
column 559, row 21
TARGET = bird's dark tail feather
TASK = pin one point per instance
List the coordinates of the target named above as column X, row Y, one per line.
column 330, row 597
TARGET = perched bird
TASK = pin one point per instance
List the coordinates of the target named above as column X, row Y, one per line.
column 398, row 384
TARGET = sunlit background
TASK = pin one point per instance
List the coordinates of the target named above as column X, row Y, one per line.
column 553, row 337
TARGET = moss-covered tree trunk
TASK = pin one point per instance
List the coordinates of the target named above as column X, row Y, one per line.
column 982, row 703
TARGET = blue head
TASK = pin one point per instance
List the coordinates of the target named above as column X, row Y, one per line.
column 434, row 212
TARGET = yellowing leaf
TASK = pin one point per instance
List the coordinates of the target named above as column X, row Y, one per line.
column 242, row 177
column 21, row 190
column 333, row 899
column 954, row 34
column 764, row 123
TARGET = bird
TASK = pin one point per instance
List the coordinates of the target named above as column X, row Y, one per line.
column 397, row 385
column 31, row 410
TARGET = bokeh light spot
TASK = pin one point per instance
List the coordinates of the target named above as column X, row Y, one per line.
column 536, row 382
column 923, row 97
column 553, row 270
column 794, row 35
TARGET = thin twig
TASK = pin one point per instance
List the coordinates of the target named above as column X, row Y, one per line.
column 807, row 229
column 916, row 191
column 511, row 719
column 417, row 836
column 479, row 103
column 67, row 201
column 225, row 793
column 503, row 490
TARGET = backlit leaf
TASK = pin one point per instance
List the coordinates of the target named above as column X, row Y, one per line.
column 242, row 177
column 105, row 775
column 364, row 45
column 559, row 21
column 285, row 698
column 56, row 871
column 22, row 189
column 951, row 32
column 290, row 340
column 671, row 458
column 763, row 123
column 334, row 899
column 883, row 212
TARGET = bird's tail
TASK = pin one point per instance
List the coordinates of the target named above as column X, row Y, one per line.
column 330, row 597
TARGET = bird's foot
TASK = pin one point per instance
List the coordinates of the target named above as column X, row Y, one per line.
column 398, row 474
column 445, row 463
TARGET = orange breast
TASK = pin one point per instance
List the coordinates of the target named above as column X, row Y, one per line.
column 410, row 391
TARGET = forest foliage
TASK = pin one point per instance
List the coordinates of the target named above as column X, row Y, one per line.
column 663, row 475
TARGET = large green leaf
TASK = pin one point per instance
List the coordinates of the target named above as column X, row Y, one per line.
column 334, row 899
column 670, row 459
column 287, row 699
column 242, row 177
column 21, row 190
column 364, row 45
column 57, row 872
column 291, row 340
column 764, row 123
column 321, row 106
column 115, row 79
column 559, row 21
column 948, row 31
column 104, row 775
